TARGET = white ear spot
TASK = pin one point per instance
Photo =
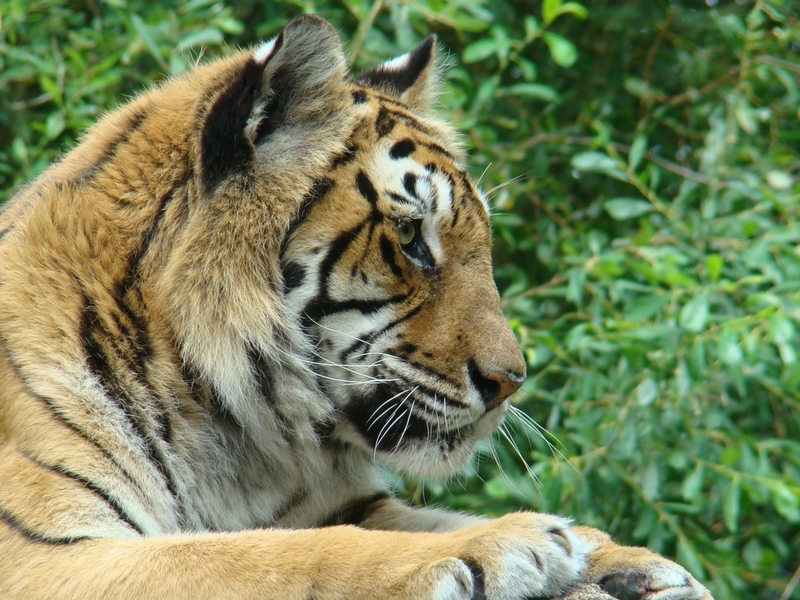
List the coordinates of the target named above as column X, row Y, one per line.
column 396, row 64
column 264, row 51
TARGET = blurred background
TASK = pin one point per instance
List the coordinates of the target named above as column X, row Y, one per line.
column 643, row 164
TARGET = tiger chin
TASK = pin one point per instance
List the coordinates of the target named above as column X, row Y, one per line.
column 235, row 297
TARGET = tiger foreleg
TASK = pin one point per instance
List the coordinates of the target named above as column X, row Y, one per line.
column 513, row 557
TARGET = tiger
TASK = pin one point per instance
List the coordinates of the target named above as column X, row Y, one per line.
column 237, row 300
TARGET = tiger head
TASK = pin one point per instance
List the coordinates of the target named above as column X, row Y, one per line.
column 389, row 272
column 384, row 280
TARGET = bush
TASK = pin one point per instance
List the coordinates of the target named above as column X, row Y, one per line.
column 642, row 159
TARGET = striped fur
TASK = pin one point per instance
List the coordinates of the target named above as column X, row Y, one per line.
column 237, row 295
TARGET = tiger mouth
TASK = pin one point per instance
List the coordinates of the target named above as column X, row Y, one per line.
column 390, row 418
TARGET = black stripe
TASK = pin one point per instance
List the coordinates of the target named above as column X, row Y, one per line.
column 34, row 536
column 359, row 96
column 366, row 189
column 319, row 308
column 365, row 341
column 294, row 500
column 427, row 390
column 456, row 214
column 410, row 185
column 262, row 374
column 293, row 276
column 98, row 491
column 4, row 232
column 335, row 252
column 409, row 120
column 356, row 512
column 436, row 148
column 478, row 580
column 402, row 149
column 319, row 188
column 88, row 173
column 92, row 331
column 405, row 350
column 384, row 123
column 59, row 415
column 137, row 333
column 402, row 199
column 231, row 424
column 389, row 256
column 345, row 157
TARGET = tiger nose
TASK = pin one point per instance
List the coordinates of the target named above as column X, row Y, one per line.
column 495, row 386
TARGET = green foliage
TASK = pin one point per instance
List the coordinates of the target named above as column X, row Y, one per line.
column 643, row 162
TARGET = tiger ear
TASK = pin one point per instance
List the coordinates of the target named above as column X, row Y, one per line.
column 411, row 78
column 293, row 82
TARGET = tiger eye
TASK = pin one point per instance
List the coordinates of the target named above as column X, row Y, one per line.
column 406, row 232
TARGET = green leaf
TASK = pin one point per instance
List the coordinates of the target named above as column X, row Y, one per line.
column 50, row 87
column 714, row 266
column 637, row 149
column 785, row 501
column 210, row 36
column 627, row 208
column 54, row 125
column 694, row 314
column 651, row 480
column 593, row 161
column 574, row 8
column 728, row 347
column 779, row 180
column 781, row 329
column 692, row 485
column 562, row 50
column 532, row 28
column 645, row 307
column 730, row 506
column 479, row 50
column 687, row 556
column 550, row 10
column 646, row 392
column 19, row 150
column 531, row 90
column 144, row 33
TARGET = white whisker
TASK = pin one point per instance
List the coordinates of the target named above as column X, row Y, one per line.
column 514, row 446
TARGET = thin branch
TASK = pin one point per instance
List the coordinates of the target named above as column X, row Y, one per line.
column 787, row 593
column 23, row 104
column 588, row 141
column 363, row 28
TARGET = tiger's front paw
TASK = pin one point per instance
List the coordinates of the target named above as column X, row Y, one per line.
column 522, row 555
column 630, row 573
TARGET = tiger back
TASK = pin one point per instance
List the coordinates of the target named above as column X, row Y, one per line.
column 237, row 296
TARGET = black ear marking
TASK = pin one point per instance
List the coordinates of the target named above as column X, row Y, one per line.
column 397, row 79
column 224, row 146
column 284, row 88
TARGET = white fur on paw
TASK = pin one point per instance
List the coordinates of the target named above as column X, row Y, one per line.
column 448, row 579
column 545, row 561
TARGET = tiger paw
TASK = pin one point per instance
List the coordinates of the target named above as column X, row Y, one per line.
column 521, row 555
column 664, row 583
column 637, row 574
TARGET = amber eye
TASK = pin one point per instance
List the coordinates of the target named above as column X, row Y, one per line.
column 406, row 232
